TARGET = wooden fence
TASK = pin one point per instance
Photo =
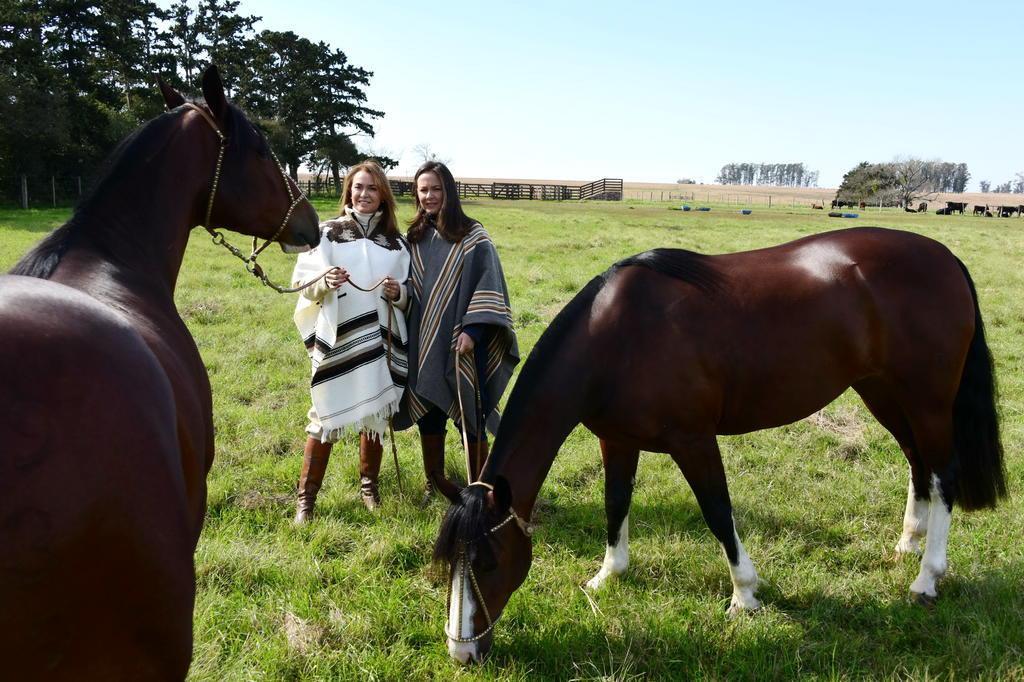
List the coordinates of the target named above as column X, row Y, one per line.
column 39, row 191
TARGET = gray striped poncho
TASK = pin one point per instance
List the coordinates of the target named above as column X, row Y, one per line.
column 454, row 286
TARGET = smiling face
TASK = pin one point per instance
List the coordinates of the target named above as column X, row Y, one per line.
column 430, row 192
column 366, row 195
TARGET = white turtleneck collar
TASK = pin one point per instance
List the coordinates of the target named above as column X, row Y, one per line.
column 366, row 221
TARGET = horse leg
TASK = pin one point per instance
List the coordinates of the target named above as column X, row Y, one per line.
column 934, row 436
column 915, row 518
column 619, row 476
column 701, row 464
column 886, row 410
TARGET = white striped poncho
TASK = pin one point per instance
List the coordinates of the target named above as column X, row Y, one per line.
column 455, row 285
column 345, row 333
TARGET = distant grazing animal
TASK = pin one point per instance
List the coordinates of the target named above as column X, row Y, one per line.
column 988, row 214
column 1007, row 211
column 922, row 207
column 836, row 203
column 980, row 210
column 730, row 344
column 956, row 206
column 863, row 205
column 943, row 211
column 106, row 431
column 910, row 210
column 819, row 207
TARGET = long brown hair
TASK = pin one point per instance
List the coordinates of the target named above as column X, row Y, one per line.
column 451, row 222
column 387, row 200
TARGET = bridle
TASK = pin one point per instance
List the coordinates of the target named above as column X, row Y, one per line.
column 469, row 575
column 218, row 237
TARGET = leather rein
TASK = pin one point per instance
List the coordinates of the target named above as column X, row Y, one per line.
column 257, row 271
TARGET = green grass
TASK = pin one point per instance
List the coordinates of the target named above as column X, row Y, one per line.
column 818, row 507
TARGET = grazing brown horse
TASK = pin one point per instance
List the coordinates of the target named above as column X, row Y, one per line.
column 669, row 348
column 106, row 433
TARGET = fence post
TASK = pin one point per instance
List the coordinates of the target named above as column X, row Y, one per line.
column 769, row 201
column 24, row 191
column 79, row 186
column 53, row 189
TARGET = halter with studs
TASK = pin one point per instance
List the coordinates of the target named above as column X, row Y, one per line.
column 218, row 237
column 462, row 562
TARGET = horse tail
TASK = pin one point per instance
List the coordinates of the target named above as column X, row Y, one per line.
column 982, row 474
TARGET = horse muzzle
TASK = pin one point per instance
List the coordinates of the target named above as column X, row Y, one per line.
column 468, row 653
column 295, row 248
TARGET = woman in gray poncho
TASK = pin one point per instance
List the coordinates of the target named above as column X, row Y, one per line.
column 459, row 306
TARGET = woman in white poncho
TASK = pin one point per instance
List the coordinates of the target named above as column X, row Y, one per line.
column 359, row 369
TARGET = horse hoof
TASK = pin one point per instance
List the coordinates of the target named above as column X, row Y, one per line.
column 906, row 548
column 922, row 599
column 735, row 609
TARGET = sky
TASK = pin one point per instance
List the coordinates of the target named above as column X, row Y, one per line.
column 657, row 91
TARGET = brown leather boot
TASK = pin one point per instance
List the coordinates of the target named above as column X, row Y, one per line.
column 433, row 462
column 477, row 455
column 314, row 464
column 370, row 452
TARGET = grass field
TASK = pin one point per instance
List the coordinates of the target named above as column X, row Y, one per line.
column 818, row 503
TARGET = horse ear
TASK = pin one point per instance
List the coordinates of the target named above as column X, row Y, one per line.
column 213, row 92
column 447, row 488
column 172, row 98
column 502, row 493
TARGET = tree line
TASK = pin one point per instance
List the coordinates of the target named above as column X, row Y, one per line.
column 901, row 182
column 76, row 77
column 775, row 174
column 1015, row 186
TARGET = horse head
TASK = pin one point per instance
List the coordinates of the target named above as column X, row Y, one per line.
column 249, row 192
column 487, row 549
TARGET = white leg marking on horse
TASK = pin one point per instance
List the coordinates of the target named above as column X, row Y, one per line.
column 744, row 581
column 933, row 563
column 616, row 558
column 463, row 652
column 915, row 523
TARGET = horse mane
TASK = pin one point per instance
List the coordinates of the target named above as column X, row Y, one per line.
column 688, row 266
column 463, row 525
column 146, row 141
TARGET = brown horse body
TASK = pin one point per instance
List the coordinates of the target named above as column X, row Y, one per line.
column 109, row 432
column 668, row 349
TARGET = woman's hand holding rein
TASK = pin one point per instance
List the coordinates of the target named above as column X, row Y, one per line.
column 335, row 277
column 464, row 344
column 391, row 289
